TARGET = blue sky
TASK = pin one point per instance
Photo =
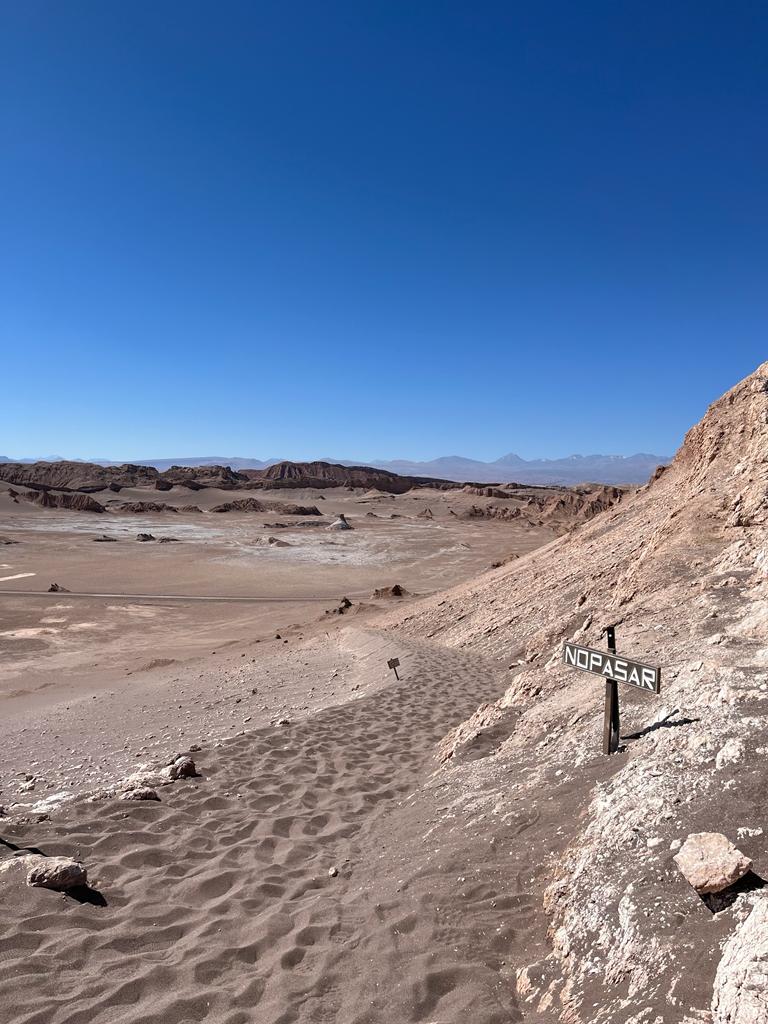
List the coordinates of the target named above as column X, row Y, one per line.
column 377, row 229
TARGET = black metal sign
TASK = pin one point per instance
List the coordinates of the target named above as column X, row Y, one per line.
column 394, row 664
column 611, row 666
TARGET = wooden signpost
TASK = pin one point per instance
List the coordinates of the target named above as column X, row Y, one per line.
column 614, row 670
column 393, row 663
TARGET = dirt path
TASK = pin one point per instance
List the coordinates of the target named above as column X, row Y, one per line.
column 219, row 902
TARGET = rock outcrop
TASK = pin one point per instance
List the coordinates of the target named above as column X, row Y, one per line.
column 328, row 474
column 741, row 983
column 146, row 506
column 74, row 502
column 340, row 524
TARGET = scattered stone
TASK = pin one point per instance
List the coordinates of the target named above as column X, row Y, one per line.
column 283, row 721
column 59, row 873
column 140, row 793
column 56, row 588
column 7, row 540
column 169, row 540
column 333, row 872
column 271, row 542
column 710, row 862
column 144, row 537
column 104, row 539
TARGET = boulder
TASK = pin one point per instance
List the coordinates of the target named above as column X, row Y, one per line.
column 56, row 588
column 710, row 862
column 140, row 793
column 60, row 873
column 144, row 537
column 740, row 992
column 181, row 768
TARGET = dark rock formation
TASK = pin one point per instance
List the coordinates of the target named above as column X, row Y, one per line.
column 74, row 502
column 328, row 474
column 279, row 507
column 146, row 506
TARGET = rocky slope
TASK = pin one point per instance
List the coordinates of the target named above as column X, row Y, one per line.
column 680, row 569
column 562, row 509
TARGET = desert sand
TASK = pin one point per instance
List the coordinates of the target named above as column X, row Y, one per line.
column 451, row 845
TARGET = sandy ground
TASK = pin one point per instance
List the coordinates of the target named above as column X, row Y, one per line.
column 315, row 871
column 54, row 645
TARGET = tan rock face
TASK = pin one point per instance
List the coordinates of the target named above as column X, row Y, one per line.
column 60, row 873
column 710, row 862
column 740, row 994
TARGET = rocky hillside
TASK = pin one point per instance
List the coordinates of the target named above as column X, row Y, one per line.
column 85, row 477
column 88, row 477
column 560, row 508
column 680, row 569
column 328, row 474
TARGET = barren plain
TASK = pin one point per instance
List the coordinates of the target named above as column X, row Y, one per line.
column 280, row 829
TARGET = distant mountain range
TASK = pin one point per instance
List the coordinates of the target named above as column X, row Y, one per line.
column 607, row 469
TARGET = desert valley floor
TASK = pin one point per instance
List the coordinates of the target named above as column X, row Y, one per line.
column 277, row 828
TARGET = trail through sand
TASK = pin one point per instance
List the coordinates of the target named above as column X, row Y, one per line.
column 281, row 886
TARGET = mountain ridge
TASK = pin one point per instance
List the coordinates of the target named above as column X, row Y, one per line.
column 572, row 469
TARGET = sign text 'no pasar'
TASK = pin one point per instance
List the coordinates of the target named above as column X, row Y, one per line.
column 611, row 666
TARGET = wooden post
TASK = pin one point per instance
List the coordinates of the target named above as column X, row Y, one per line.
column 611, row 719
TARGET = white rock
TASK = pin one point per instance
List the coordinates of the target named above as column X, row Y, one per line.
column 740, row 992
column 731, row 752
column 745, row 832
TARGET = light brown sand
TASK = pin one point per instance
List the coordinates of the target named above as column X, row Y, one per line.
column 56, row 645
column 218, row 903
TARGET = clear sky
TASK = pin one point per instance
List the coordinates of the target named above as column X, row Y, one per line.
column 377, row 228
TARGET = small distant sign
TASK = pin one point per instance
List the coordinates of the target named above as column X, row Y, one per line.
column 393, row 663
column 611, row 666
